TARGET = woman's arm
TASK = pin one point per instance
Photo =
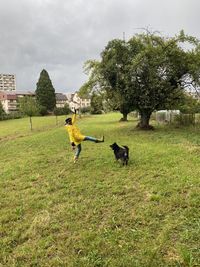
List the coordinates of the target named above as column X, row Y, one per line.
column 74, row 117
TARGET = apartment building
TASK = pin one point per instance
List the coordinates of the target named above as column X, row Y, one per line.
column 7, row 82
column 9, row 99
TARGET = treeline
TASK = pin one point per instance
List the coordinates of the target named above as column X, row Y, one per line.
column 44, row 103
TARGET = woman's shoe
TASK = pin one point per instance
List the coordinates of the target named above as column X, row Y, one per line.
column 100, row 140
column 75, row 159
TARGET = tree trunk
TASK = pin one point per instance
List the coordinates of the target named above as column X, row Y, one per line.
column 31, row 123
column 144, row 121
column 124, row 118
column 56, row 120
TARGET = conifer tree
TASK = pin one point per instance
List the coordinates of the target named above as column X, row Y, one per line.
column 45, row 92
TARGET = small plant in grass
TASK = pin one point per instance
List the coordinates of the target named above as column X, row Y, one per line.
column 28, row 106
column 56, row 112
column 187, row 258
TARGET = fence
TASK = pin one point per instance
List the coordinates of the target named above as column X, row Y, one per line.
column 175, row 117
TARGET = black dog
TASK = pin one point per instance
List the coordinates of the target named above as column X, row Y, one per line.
column 121, row 153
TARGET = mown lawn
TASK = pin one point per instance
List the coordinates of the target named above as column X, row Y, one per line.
column 21, row 127
column 97, row 213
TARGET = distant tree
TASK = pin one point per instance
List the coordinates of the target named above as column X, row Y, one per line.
column 85, row 90
column 45, row 92
column 43, row 110
column 56, row 112
column 113, row 99
column 61, row 111
column 93, row 87
column 29, row 107
column 66, row 109
column 96, row 103
column 85, row 110
column 189, row 105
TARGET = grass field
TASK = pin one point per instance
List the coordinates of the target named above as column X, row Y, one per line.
column 21, row 127
column 96, row 212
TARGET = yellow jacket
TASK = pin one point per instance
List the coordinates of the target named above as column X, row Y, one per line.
column 74, row 133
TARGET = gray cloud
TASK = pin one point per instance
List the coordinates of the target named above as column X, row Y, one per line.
column 61, row 35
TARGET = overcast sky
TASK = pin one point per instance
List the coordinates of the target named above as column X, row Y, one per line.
column 60, row 35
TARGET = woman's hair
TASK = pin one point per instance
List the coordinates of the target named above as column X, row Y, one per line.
column 68, row 120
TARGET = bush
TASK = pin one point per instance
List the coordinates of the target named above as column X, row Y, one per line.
column 95, row 111
column 43, row 110
column 66, row 109
column 185, row 119
column 11, row 116
column 61, row 111
column 197, row 118
column 58, row 111
column 85, row 110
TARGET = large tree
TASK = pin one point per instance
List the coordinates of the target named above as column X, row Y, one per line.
column 45, row 92
column 155, row 72
column 150, row 72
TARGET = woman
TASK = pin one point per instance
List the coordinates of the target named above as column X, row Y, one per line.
column 76, row 137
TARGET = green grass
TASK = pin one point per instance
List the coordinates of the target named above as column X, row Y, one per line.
column 21, row 127
column 96, row 212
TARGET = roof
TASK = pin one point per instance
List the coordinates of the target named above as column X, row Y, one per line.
column 25, row 93
column 8, row 95
column 8, row 92
column 61, row 97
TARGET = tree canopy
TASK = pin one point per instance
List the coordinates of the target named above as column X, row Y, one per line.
column 28, row 106
column 148, row 72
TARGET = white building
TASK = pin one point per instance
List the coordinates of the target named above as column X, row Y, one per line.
column 7, row 82
column 75, row 102
column 61, row 100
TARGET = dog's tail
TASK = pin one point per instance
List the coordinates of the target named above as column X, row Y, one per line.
column 127, row 151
